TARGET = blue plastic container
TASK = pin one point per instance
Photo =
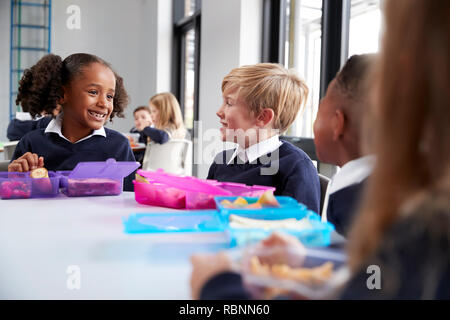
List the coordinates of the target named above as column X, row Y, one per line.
column 182, row 221
column 289, row 208
column 318, row 235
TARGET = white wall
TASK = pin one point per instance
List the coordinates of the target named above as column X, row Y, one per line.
column 230, row 37
column 4, row 67
column 135, row 36
column 126, row 34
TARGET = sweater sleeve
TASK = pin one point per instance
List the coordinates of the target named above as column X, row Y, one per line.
column 158, row 136
column 412, row 260
column 302, row 183
column 224, row 286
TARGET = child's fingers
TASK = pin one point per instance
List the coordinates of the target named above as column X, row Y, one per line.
column 41, row 162
column 14, row 167
column 19, row 165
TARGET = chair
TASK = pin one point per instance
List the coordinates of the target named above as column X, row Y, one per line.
column 4, row 165
column 307, row 145
column 323, row 189
column 8, row 149
column 174, row 156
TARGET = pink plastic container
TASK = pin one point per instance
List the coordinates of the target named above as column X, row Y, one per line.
column 168, row 190
column 160, row 195
column 201, row 200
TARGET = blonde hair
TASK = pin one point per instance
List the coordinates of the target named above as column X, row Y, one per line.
column 269, row 85
column 411, row 116
column 169, row 113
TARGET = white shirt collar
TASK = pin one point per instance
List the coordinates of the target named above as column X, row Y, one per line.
column 55, row 127
column 23, row 116
column 352, row 172
column 257, row 150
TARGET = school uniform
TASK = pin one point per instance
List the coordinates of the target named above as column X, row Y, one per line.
column 272, row 162
column 412, row 258
column 23, row 123
column 156, row 135
column 61, row 154
column 344, row 193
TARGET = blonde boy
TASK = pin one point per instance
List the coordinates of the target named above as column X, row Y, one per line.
column 260, row 102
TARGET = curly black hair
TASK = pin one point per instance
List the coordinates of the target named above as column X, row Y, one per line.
column 40, row 88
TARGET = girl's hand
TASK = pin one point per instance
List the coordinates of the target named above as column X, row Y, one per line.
column 204, row 267
column 27, row 162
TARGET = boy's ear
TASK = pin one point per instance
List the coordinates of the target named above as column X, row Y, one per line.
column 265, row 117
column 339, row 124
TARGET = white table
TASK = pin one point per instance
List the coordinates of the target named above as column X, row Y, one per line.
column 41, row 238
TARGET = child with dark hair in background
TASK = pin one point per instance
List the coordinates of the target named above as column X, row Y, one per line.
column 402, row 230
column 337, row 136
column 89, row 93
column 24, row 123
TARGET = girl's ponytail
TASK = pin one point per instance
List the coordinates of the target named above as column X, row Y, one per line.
column 40, row 86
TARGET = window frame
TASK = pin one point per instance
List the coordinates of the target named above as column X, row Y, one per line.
column 181, row 26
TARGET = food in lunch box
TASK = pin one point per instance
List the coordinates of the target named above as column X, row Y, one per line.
column 140, row 178
column 14, row 189
column 291, row 223
column 310, row 276
column 267, row 199
column 41, row 182
column 92, row 187
column 39, row 173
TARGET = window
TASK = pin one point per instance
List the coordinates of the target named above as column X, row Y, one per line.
column 352, row 27
column 187, row 58
column 303, row 52
column 365, row 26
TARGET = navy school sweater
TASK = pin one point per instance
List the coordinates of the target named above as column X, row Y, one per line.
column 18, row 128
column 60, row 154
column 296, row 175
column 342, row 205
column 156, row 135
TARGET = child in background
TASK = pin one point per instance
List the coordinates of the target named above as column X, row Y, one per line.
column 166, row 117
column 260, row 102
column 142, row 119
column 337, row 135
column 24, row 123
column 90, row 93
column 403, row 227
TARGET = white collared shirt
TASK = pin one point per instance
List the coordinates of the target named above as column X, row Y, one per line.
column 55, row 127
column 25, row 116
column 257, row 150
column 352, row 172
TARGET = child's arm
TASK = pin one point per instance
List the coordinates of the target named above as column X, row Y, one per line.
column 302, row 183
column 158, row 136
column 27, row 162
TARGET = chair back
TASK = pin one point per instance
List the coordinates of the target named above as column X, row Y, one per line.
column 9, row 148
column 174, row 156
column 323, row 189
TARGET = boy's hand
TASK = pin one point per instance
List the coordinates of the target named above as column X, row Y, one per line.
column 204, row 267
column 27, row 162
